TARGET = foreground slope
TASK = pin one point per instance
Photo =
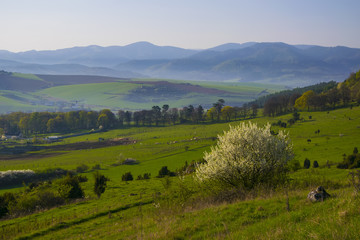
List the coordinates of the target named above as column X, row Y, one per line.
column 164, row 209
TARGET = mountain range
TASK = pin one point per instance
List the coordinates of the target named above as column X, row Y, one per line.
column 292, row 65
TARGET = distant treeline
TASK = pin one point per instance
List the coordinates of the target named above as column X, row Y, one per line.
column 319, row 97
column 63, row 122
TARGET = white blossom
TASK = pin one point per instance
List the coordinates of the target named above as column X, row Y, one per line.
column 14, row 174
column 246, row 155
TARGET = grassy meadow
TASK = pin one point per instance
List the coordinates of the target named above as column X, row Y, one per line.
column 29, row 92
column 175, row 208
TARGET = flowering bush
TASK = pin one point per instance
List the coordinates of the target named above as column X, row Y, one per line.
column 247, row 156
column 11, row 177
column 16, row 177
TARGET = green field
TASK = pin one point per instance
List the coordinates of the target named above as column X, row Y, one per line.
column 118, row 95
column 64, row 93
column 135, row 210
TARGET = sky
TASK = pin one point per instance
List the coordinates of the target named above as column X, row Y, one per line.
column 194, row 24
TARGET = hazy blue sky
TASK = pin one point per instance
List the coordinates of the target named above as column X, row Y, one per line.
column 54, row 24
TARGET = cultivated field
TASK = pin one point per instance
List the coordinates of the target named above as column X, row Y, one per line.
column 28, row 92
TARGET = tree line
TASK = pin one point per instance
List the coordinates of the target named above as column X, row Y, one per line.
column 317, row 97
column 28, row 124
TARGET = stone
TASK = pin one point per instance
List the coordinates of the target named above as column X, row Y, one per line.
column 318, row 195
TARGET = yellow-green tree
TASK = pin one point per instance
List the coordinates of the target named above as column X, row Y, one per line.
column 303, row 102
column 211, row 113
column 227, row 112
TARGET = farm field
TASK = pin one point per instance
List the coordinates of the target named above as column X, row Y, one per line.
column 171, row 208
column 144, row 93
column 29, row 92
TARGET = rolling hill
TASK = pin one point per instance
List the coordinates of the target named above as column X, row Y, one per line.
column 29, row 92
column 279, row 63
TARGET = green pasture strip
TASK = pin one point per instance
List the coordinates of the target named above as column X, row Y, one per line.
column 27, row 76
column 11, row 105
column 115, row 95
column 23, row 95
column 93, row 93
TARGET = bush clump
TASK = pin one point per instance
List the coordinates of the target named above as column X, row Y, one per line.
column 307, row 163
column 351, row 161
column 144, row 176
column 315, row 164
column 69, row 187
column 245, row 157
column 164, row 171
column 100, row 183
column 96, row 167
column 13, row 177
column 127, row 177
column 82, row 168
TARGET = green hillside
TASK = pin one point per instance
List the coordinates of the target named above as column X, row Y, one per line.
column 30, row 92
column 145, row 93
column 175, row 208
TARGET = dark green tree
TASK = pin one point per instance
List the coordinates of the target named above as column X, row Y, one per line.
column 218, row 106
column 355, row 151
column 100, row 183
column 70, row 187
column 315, row 164
column 156, row 114
column 307, row 163
column 127, row 177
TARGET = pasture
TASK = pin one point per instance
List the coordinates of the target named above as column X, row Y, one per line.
column 29, row 92
column 164, row 208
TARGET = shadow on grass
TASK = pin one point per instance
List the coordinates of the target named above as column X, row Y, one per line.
column 63, row 225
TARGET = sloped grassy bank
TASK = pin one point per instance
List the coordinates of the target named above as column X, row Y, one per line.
column 174, row 208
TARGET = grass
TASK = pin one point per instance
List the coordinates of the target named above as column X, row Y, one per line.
column 27, row 76
column 130, row 210
column 115, row 95
column 118, row 95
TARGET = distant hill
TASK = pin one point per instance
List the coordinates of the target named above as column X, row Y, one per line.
column 260, row 62
column 230, row 46
column 97, row 56
column 276, row 63
column 30, row 92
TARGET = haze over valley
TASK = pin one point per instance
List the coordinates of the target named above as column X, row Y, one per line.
column 274, row 63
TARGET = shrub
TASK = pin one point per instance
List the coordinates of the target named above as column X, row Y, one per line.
column 247, row 156
column 127, row 177
column 354, row 178
column 82, row 178
column 351, row 161
column 307, row 163
column 294, row 165
column 280, row 124
column 5, row 200
column 164, row 171
column 34, row 201
column 355, row 151
column 189, row 168
column 315, row 164
column 69, row 187
column 96, row 167
column 13, row 177
column 82, row 168
column 100, row 183
column 147, row 175
column 143, row 177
